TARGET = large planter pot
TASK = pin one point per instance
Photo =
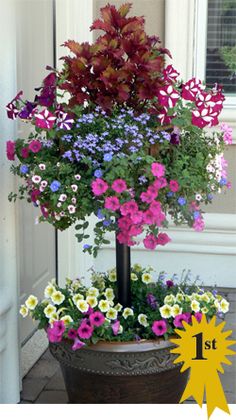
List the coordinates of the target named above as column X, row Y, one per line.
column 117, row 373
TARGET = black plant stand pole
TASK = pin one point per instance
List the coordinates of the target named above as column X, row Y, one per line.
column 123, row 273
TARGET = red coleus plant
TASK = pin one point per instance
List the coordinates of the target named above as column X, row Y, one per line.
column 123, row 65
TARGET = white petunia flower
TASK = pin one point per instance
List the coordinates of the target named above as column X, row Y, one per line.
column 71, row 209
column 109, row 294
column 77, row 177
column 77, row 297
column 74, row 187
column 49, row 290
column 93, row 291
column 147, row 278
column 104, row 305
column 49, row 311
column 165, row 311
column 36, row 179
column 224, row 306
column 24, row 311
column 31, row 302
column 63, row 197
column 112, row 313
column 127, row 312
column 92, row 301
column 169, row 299
column 82, row 305
column 67, row 320
column 42, row 166
column 57, row 297
column 142, row 319
column 112, row 276
column 195, row 306
column 134, row 277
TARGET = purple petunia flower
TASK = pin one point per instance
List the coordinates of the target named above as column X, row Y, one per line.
column 151, row 300
column 77, row 344
column 169, row 283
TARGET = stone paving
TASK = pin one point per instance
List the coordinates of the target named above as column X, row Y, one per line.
column 44, row 383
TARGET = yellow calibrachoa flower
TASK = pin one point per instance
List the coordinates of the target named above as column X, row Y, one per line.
column 224, row 306
column 217, row 304
column 147, row 278
column 50, row 289
column 57, row 297
column 92, row 301
column 112, row 276
column 204, row 310
column 53, row 318
column 176, row 310
column 142, row 319
column 195, row 306
column 77, row 297
column 109, row 294
column 82, row 305
column 104, row 305
column 134, row 277
column 49, row 310
column 111, row 313
column 165, row 311
column 179, row 297
column 118, row 307
column 93, row 291
column 31, row 302
column 195, row 296
column 127, row 312
column 24, row 311
column 137, row 268
column 169, row 299
column 205, row 298
column 67, row 320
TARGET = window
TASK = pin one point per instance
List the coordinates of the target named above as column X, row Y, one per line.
column 221, row 45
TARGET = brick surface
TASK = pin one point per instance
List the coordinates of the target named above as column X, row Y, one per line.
column 56, row 382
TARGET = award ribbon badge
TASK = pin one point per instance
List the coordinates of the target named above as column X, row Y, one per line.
column 202, row 348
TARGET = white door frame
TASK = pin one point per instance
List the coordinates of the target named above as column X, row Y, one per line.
column 9, row 342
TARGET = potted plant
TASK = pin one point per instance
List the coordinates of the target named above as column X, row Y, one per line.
column 116, row 134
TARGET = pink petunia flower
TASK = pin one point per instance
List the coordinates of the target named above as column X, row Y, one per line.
column 124, row 223
column 155, row 207
column 99, row 186
column 85, row 330
column 56, row 331
column 158, row 169
column 179, row 319
column 115, row 327
column 25, row 152
column 10, row 150
column 191, row 89
column 198, row 316
column 97, row 319
column 128, row 208
column 163, row 239
column 170, row 74
column 112, row 203
column 45, row 119
column 159, row 327
column 150, row 242
column 77, row 344
column 137, row 217
column 198, row 224
column 174, row 185
column 168, row 96
column 72, row 333
column 119, row 185
column 35, row 146
column 148, row 217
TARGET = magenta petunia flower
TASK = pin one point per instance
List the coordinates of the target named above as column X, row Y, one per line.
column 129, row 208
column 179, row 319
column 174, row 185
column 163, row 239
column 150, row 242
column 10, row 150
column 119, row 185
column 115, row 327
column 198, row 316
column 34, row 195
column 77, row 344
column 158, row 169
column 97, row 319
column 112, row 203
column 99, row 186
column 56, row 331
column 159, row 327
column 85, row 330
column 199, row 224
column 72, row 333
column 25, row 152
column 45, row 119
column 35, row 146
column 169, row 283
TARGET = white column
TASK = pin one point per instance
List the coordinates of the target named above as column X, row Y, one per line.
column 179, row 34
column 9, row 343
column 73, row 20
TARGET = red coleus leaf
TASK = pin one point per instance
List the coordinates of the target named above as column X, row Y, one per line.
column 133, row 25
column 123, row 92
column 103, row 26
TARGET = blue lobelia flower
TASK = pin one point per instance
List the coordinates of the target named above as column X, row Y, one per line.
column 55, row 185
column 24, row 169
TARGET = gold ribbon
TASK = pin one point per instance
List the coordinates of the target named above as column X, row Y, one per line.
column 202, row 348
